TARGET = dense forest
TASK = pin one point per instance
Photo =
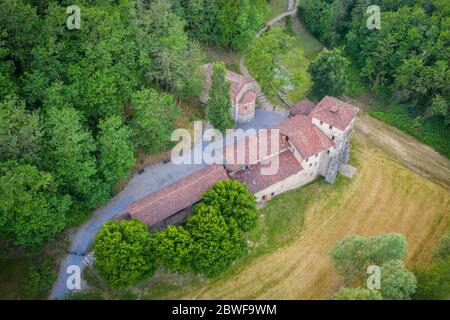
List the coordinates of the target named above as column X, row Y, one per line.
column 75, row 104
column 407, row 58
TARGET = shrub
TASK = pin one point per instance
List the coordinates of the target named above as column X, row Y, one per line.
column 216, row 242
column 233, row 200
column 40, row 278
column 123, row 252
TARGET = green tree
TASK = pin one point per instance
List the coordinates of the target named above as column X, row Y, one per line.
column 218, row 111
column 357, row 294
column 154, row 117
column 116, row 152
column 264, row 57
column 69, row 148
column 216, row 243
column 173, row 249
column 352, row 255
column 233, row 200
column 20, row 131
column 396, row 282
column 123, row 253
column 175, row 58
column 329, row 74
column 32, row 211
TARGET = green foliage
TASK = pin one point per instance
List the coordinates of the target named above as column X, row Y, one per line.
column 263, row 59
column 433, row 282
column 116, row 152
column 396, row 282
column 230, row 23
column 173, row 249
column 218, row 111
column 40, row 278
column 124, row 253
column 32, row 211
column 357, row 294
column 443, row 250
column 408, row 56
column 69, row 155
column 329, row 73
column 233, row 200
column 295, row 65
column 154, row 117
column 20, row 131
column 162, row 39
column 352, row 255
column 216, row 242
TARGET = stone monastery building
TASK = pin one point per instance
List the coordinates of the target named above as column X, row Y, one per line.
column 313, row 142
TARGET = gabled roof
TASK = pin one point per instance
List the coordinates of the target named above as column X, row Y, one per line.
column 238, row 83
column 335, row 112
column 303, row 107
column 255, row 181
column 178, row 196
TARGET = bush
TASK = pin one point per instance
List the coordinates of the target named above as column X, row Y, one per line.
column 233, row 200
column 40, row 278
column 353, row 254
column 123, row 252
column 396, row 282
column 433, row 283
column 216, row 242
column 174, row 248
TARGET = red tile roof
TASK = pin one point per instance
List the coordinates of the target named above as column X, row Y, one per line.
column 310, row 140
column 248, row 154
column 238, row 82
column 303, row 107
column 335, row 112
column 292, row 125
column 255, row 181
column 168, row 201
column 306, row 137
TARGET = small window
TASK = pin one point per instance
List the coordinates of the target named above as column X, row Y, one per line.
column 331, row 127
column 315, row 164
column 307, row 159
column 328, row 151
column 310, row 165
column 321, row 122
column 332, row 138
column 317, row 155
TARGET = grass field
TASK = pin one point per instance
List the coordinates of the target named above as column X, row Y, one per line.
column 297, row 230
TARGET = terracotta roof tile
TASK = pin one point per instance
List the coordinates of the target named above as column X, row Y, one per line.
column 255, row 181
column 248, row 154
column 166, row 202
column 335, row 112
column 310, row 140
